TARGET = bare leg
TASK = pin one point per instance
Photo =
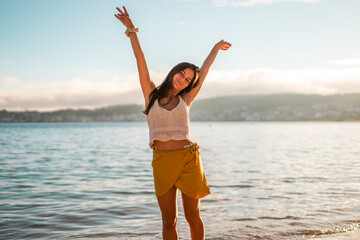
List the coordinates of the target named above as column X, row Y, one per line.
column 168, row 207
column 192, row 215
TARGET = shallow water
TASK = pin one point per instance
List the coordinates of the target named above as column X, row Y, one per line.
column 94, row 180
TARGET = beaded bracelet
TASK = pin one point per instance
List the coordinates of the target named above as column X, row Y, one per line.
column 131, row 30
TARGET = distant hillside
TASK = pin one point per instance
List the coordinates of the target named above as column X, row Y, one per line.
column 276, row 107
column 117, row 113
column 269, row 102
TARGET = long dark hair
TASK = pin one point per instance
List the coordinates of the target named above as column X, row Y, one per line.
column 164, row 88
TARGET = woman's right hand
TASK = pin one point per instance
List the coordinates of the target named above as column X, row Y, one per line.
column 124, row 17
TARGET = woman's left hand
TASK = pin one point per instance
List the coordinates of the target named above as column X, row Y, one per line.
column 222, row 45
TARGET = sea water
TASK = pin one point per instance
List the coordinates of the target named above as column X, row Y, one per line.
column 94, row 180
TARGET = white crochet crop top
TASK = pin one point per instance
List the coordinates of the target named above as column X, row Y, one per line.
column 165, row 125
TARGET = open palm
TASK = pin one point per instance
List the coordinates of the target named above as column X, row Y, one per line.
column 124, row 17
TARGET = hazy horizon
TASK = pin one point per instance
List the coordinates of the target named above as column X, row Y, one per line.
column 142, row 104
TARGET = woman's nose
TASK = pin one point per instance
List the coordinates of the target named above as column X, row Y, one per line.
column 182, row 78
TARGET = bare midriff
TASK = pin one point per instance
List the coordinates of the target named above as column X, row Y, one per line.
column 171, row 144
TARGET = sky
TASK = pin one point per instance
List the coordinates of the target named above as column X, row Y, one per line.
column 74, row 53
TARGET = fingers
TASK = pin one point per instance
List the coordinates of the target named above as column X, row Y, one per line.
column 224, row 45
column 120, row 11
column 118, row 16
column 126, row 12
column 122, row 19
column 122, row 15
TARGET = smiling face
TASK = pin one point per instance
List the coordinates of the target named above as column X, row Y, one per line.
column 182, row 79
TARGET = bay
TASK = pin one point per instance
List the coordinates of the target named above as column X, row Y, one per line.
column 285, row 180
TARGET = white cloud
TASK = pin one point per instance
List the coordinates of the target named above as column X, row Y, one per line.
column 345, row 62
column 248, row 3
column 7, row 81
column 116, row 89
column 94, row 89
column 75, row 94
column 268, row 81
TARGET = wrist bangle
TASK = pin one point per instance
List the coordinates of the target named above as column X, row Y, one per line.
column 131, row 30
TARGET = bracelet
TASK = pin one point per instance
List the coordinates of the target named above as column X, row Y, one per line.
column 131, row 30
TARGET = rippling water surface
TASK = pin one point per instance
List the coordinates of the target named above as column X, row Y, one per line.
column 94, row 180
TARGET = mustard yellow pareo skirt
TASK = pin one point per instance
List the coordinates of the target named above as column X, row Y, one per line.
column 182, row 168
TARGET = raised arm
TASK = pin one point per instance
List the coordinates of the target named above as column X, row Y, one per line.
column 146, row 84
column 222, row 45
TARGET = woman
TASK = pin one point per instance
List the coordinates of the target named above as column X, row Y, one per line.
column 176, row 159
